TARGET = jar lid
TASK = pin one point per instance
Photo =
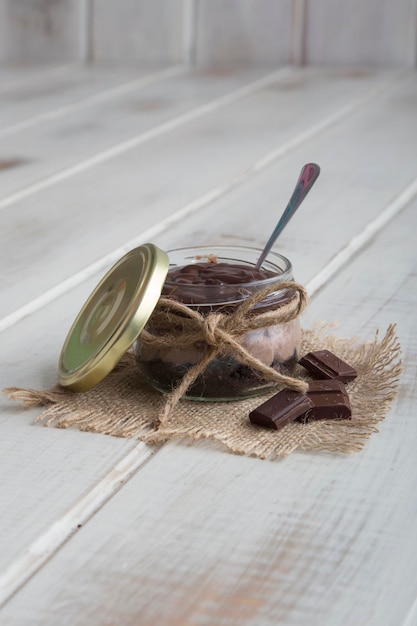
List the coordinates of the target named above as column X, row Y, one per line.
column 113, row 317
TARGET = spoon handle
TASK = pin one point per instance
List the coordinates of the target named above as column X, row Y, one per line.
column 306, row 180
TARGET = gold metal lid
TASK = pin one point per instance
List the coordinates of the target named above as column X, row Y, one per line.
column 113, row 317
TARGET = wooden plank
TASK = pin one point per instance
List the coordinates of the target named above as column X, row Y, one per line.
column 19, row 76
column 200, row 536
column 234, row 212
column 51, row 480
column 51, row 97
column 279, row 110
column 243, row 31
column 38, row 366
column 44, row 31
column 374, row 32
column 137, row 30
column 133, row 114
column 48, row 541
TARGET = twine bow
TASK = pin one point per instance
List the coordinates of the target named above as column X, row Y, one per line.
column 177, row 325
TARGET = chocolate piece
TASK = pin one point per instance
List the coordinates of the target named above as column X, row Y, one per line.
column 329, row 400
column 283, row 408
column 325, row 364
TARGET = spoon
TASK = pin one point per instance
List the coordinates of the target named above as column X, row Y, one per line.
column 306, row 180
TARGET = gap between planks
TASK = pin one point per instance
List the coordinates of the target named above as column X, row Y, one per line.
column 85, row 31
column 358, row 242
column 47, row 544
column 411, row 617
column 214, row 194
column 189, row 36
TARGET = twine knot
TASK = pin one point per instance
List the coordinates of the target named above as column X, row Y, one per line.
column 173, row 324
column 211, row 329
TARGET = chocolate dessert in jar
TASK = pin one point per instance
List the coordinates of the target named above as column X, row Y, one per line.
column 218, row 279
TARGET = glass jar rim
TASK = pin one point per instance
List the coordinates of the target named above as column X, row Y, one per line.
column 275, row 262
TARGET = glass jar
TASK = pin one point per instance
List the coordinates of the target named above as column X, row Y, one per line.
column 225, row 378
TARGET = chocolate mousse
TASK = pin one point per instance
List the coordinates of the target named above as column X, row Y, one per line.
column 205, row 283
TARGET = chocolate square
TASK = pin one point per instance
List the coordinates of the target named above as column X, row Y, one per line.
column 329, row 400
column 284, row 407
column 325, row 364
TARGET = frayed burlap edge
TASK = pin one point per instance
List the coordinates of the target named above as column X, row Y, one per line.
column 123, row 406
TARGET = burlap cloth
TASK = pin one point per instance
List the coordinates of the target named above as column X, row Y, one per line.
column 124, row 406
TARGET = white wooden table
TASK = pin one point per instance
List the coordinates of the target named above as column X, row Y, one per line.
column 101, row 531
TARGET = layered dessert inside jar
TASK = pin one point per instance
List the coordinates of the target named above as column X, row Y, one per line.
column 219, row 279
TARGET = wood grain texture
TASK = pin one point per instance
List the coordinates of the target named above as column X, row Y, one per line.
column 203, row 537
column 137, row 30
column 243, row 31
column 42, row 31
column 361, row 32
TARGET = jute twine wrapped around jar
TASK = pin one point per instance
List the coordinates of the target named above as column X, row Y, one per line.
column 176, row 325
